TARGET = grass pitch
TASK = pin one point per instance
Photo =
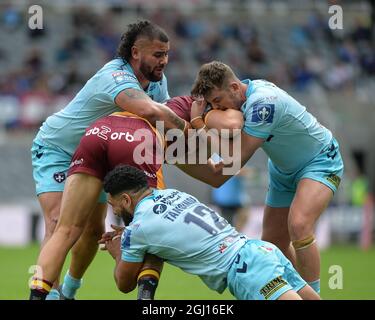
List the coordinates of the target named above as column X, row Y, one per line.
column 358, row 271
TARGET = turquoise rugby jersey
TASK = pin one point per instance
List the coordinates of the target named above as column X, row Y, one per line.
column 95, row 100
column 176, row 227
column 292, row 135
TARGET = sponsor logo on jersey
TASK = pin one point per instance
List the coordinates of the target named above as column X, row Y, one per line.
column 123, row 76
column 271, row 287
column 59, row 177
column 150, row 175
column 171, row 198
column 104, row 133
column 263, row 112
column 157, row 198
column 228, row 241
column 159, row 208
column 222, row 247
column 265, row 249
column 76, row 162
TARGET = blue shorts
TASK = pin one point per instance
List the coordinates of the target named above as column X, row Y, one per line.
column 50, row 168
column 327, row 167
column 260, row 271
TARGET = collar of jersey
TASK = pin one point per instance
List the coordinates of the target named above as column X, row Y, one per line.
column 151, row 196
column 249, row 90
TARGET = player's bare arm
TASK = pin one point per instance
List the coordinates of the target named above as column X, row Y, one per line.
column 224, row 119
column 125, row 273
column 139, row 103
column 211, row 173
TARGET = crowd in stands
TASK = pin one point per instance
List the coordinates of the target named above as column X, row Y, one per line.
column 44, row 72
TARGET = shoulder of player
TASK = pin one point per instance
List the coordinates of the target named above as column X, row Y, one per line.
column 117, row 70
column 262, row 95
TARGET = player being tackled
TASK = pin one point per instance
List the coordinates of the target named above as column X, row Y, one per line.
column 176, row 227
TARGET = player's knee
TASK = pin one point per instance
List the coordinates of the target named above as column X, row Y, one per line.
column 69, row 234
column 300, row 228
column 50, row 222
column 282, row 242
column 279, row 239
column 94, row 231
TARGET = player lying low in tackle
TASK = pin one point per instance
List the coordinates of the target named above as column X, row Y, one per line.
column 108, row 142
column 178, row 228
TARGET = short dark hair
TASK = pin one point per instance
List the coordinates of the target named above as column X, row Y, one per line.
column 211, row 75
column 135, row 31
column 124, row 178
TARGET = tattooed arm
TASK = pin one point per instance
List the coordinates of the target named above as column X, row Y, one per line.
column 139, row 103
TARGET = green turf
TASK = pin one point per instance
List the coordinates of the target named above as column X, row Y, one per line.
column 358, row 277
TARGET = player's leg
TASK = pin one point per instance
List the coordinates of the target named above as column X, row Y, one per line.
column 290, row 295
column 308, row 293
column 311, row 199
column 79, row 199
column 50, row 203
column 84, row 251
column 149, row 276
column 280, row 195
column 275, row 230
column 49, row 171
column 294, row 279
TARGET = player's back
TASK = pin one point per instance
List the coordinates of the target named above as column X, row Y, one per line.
column 292, row 135
column 95, row 100
column 186, row 233
column 120, row 138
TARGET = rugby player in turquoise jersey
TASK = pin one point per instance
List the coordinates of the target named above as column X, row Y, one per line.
column 134, row 81
column 176, row 227
column 305, row 165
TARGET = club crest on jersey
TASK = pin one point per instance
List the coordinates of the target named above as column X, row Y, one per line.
column 122, row 76
column 263, row 112
column 59, row 177
column 159, row 208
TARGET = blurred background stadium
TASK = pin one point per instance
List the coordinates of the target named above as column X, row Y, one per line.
column 332, row 72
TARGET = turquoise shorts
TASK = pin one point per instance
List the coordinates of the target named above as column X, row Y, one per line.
column 327, row 167
column 50, row 168
column 260, row 271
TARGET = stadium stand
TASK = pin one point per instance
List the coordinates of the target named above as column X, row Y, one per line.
column 331, row 71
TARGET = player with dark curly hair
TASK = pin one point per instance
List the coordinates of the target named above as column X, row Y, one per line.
column 133, row 82
column 184, row 232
